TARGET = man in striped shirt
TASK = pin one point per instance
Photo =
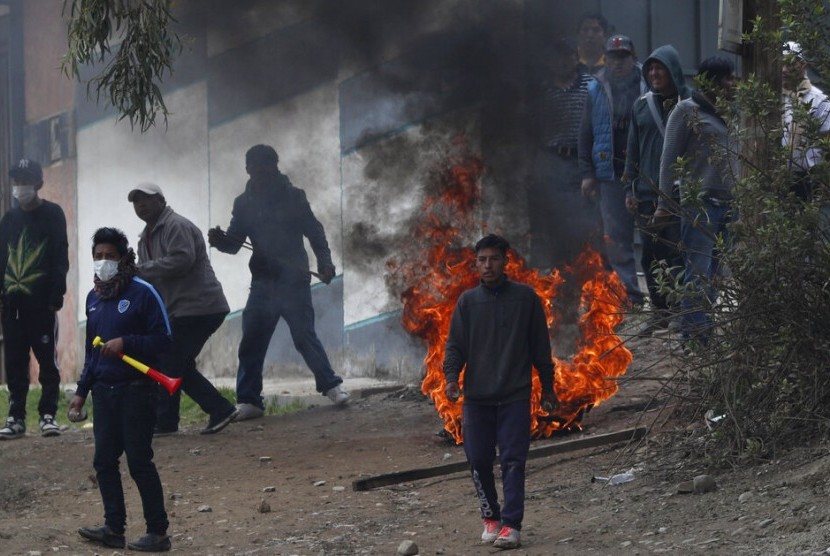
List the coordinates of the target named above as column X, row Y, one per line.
column 561, row 221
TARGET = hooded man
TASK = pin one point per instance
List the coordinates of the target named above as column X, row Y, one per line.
column 664, row 74
column 276, row 216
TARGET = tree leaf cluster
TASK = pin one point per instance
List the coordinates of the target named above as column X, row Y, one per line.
column 133, row 41
column 764, row 368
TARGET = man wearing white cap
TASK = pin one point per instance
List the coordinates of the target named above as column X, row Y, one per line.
column 798, row 88
column 173, row 257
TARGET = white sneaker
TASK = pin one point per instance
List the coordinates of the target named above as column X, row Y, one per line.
column 338, row 396
column 48, row 426
column 508, row 538
column 491, row 531
column 248, row 411
column 15, row 428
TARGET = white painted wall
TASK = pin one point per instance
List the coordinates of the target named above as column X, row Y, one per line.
column 305, row 131
column 112, row 159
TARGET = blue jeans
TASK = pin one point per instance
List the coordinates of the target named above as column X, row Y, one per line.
column 125, row 416
column 269, row 301
column 189, row 337
column 508, row 427
column 562, row 221
column 700, row 228
column 618, row 226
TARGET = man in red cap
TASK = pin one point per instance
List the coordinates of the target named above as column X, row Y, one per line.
column 603, row 138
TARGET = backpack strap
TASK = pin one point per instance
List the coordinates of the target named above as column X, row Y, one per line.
column 655, row 113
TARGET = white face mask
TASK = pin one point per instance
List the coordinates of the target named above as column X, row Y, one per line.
column 24, row 194
column 105, row 269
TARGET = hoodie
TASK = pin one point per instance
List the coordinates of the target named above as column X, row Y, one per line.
column 645, row 135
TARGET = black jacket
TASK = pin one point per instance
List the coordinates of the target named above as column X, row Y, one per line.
column 34, row 256
column 276, row 220
column 499, row 334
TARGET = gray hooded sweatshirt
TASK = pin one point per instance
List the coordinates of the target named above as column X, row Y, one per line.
column 650, row 114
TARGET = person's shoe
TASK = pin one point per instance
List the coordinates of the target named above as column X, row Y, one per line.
column 216, row 424
column 491, row 530
column 103, row 535
column 338, row 396
column 151, row 543
column 508, row 538
column 15, row 428
column 48, row 426
column 158, row 432
column 246, row 411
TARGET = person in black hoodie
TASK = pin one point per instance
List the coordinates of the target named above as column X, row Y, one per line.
column 34, row 261
column 498, row 332
column 276, row 216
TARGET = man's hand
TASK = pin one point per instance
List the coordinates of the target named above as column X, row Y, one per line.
column 660, row 219
column 326, row 274
column 452, row 391
column 550, row 402
column 216, row 236
column 75, row 412
column 113, row 348
column 632, row 204
column 589, row 188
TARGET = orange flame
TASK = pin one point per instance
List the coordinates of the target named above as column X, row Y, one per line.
column 435, row 279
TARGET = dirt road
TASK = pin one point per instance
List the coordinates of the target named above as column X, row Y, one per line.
column 283, row 485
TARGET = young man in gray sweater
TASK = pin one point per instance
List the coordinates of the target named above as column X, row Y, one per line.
column 698, row 135
column 499, row 333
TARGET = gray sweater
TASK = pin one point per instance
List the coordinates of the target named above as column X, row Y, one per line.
column 499, row 334
column 699, row 135
column 173, row 258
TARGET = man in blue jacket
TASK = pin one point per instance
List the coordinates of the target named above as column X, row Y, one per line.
column 498, row 333
column 602, row 143
column 129, row 316
column 660, row 241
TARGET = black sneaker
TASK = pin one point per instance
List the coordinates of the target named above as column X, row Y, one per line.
column 216, row 424
column 15, row 428
column 103, row 535
column 48, row 426
column 151, row 543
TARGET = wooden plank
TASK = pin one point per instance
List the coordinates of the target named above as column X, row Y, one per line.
column 540, row 452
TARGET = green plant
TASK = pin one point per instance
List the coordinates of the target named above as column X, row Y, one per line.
column 133, row 70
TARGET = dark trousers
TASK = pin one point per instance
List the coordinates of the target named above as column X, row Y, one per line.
column 267, row 303
column 508, row 427
column 562, row 221
column 125, row 416
column 659, row 245
column 189, row 337
column 35, row 328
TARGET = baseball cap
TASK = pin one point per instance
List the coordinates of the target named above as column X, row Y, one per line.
column 792, row 48
column 147, row 187
column 27, row 170
column 619, row 43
